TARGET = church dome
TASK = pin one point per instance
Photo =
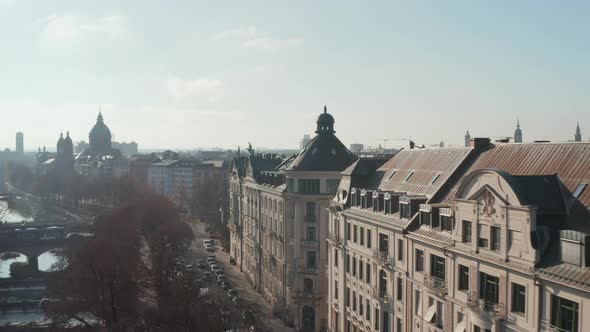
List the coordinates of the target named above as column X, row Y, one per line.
column 100, row 137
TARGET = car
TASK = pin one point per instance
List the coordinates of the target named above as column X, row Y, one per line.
column 207, row 243
column 189, row 267
column 201, row 264
column 210, row 249
column 213, row 266
column 207, row 276
column 222, row 277
column 232, row 293
column 225, row 286
column 217, row 272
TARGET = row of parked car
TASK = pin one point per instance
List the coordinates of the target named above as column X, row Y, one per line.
column 217, row 272
column 209, row 245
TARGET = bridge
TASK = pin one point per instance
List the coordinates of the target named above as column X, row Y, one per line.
column 9, row 196
column 34, row 241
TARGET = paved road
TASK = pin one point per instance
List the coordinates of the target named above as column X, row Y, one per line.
column 238, row 282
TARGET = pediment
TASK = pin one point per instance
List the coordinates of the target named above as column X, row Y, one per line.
column 489, row 201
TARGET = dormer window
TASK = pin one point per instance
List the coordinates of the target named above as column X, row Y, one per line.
column 425, row 215
column 579, row 190
column 446, row 220
column 366, row 199
column 392, row 174
column 404, row 210
column 387, row 203
column 409, row 176
column 434, row 178
column 377, row 201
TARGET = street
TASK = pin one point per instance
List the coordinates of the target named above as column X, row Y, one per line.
column 238, row 281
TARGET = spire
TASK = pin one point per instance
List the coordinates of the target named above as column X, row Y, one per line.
column 578, row 135
column 517, row 122
column 67, row 134
column 61, row 135
column 325, row 109
column 99, row 118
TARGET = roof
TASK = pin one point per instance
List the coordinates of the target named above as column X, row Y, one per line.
column 215, row 163
column 324, row 153
column 421, row 172
column 569, row 161
column 543, row 191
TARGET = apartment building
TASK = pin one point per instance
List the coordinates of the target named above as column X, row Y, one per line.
column 278, row 223
column 488, row 238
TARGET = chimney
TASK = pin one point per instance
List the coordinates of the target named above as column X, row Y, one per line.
column 479, row 143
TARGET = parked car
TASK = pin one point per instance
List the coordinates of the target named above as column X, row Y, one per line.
column 189, row 267
column 207, row 243
column 222, row 277
column 209, row 248
column 225, row 286
column 211, row 257
column 207, row 276
column 217, row 272
column 214, row 266
column 201, row 264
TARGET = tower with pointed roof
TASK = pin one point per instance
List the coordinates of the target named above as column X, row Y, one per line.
column 518, row 132
column 578, row 135
column 467, row 138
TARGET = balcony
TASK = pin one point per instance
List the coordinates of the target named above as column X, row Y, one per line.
column 382, row 258
column 310, row 218
column 437, row 285
column 308, row 270
column 381, row 296
column 335, row 240
column 309, row 243
column 488, row 309
column 305, row 295
column 547, row 327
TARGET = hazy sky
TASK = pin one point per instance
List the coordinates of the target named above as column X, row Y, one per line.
column 221, row 73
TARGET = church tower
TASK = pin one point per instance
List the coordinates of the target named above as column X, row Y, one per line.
column 578, row 135
column 518, row 132
column 467, row 138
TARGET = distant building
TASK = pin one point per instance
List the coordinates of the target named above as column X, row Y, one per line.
column 80, row 146
column 62, row 162
column 578, row 135
column 518, row 132
column 467, row 139
column 20, row 145
column 356, row 148
column 126, row 148
column 304, row 141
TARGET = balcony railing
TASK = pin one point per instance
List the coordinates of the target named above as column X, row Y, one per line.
column 309, row 243
column 310, row 218
column 494, row 311
column 382, row 257
column 307, row 270
column 305, row 294
column 546, row 326
column 435, row 284
column 381, row 295
column 335, row 239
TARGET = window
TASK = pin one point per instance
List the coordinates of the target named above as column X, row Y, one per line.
column 495, row 237
column 382, row 283
column 383, row 243
column 385, row 325
column 437, row 267
column 425, row 218
column 446, row 223
column 467, row 231
column 307, row 285
column 368, row 310
column 409, row 176
column 434, row 178
column 310, row 234
column 400, row 289
column 291, row 185
column 347, row 297
column 418, row 303
column 482, row 241
column 353, row 301
column 404, row 210
column 347, row 264
column 376, row 319
column 463, row 278
column 564, row 313
column 336, row 257
column 419, row 260
column 332, row 186
column 518, row 298
column 309, row 186
column 369, row 238
column 362, row 236
column 579, row 189
column 354, row 235
column 489, row 288
column 347, row 231
column 310, row 211
column 400, row 250
column 311, row 259
column 354, row 266
column 361, row 305
column 368, row 274
column 361, row 269
column 336, row 289
column 391, row 175
column 398, row 324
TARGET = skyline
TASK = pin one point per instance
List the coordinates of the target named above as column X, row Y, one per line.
column 223, row 74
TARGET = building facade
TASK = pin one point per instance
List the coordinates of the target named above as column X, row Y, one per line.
column 489, row 238
column 278, row 224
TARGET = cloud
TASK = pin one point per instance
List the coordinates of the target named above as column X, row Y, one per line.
column 67, row 28
column 251, row 37
column 179, row 88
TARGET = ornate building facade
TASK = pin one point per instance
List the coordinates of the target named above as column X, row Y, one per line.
column 278, row 223
column 488, row 238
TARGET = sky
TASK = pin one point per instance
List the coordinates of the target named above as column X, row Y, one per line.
column 186, row 74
